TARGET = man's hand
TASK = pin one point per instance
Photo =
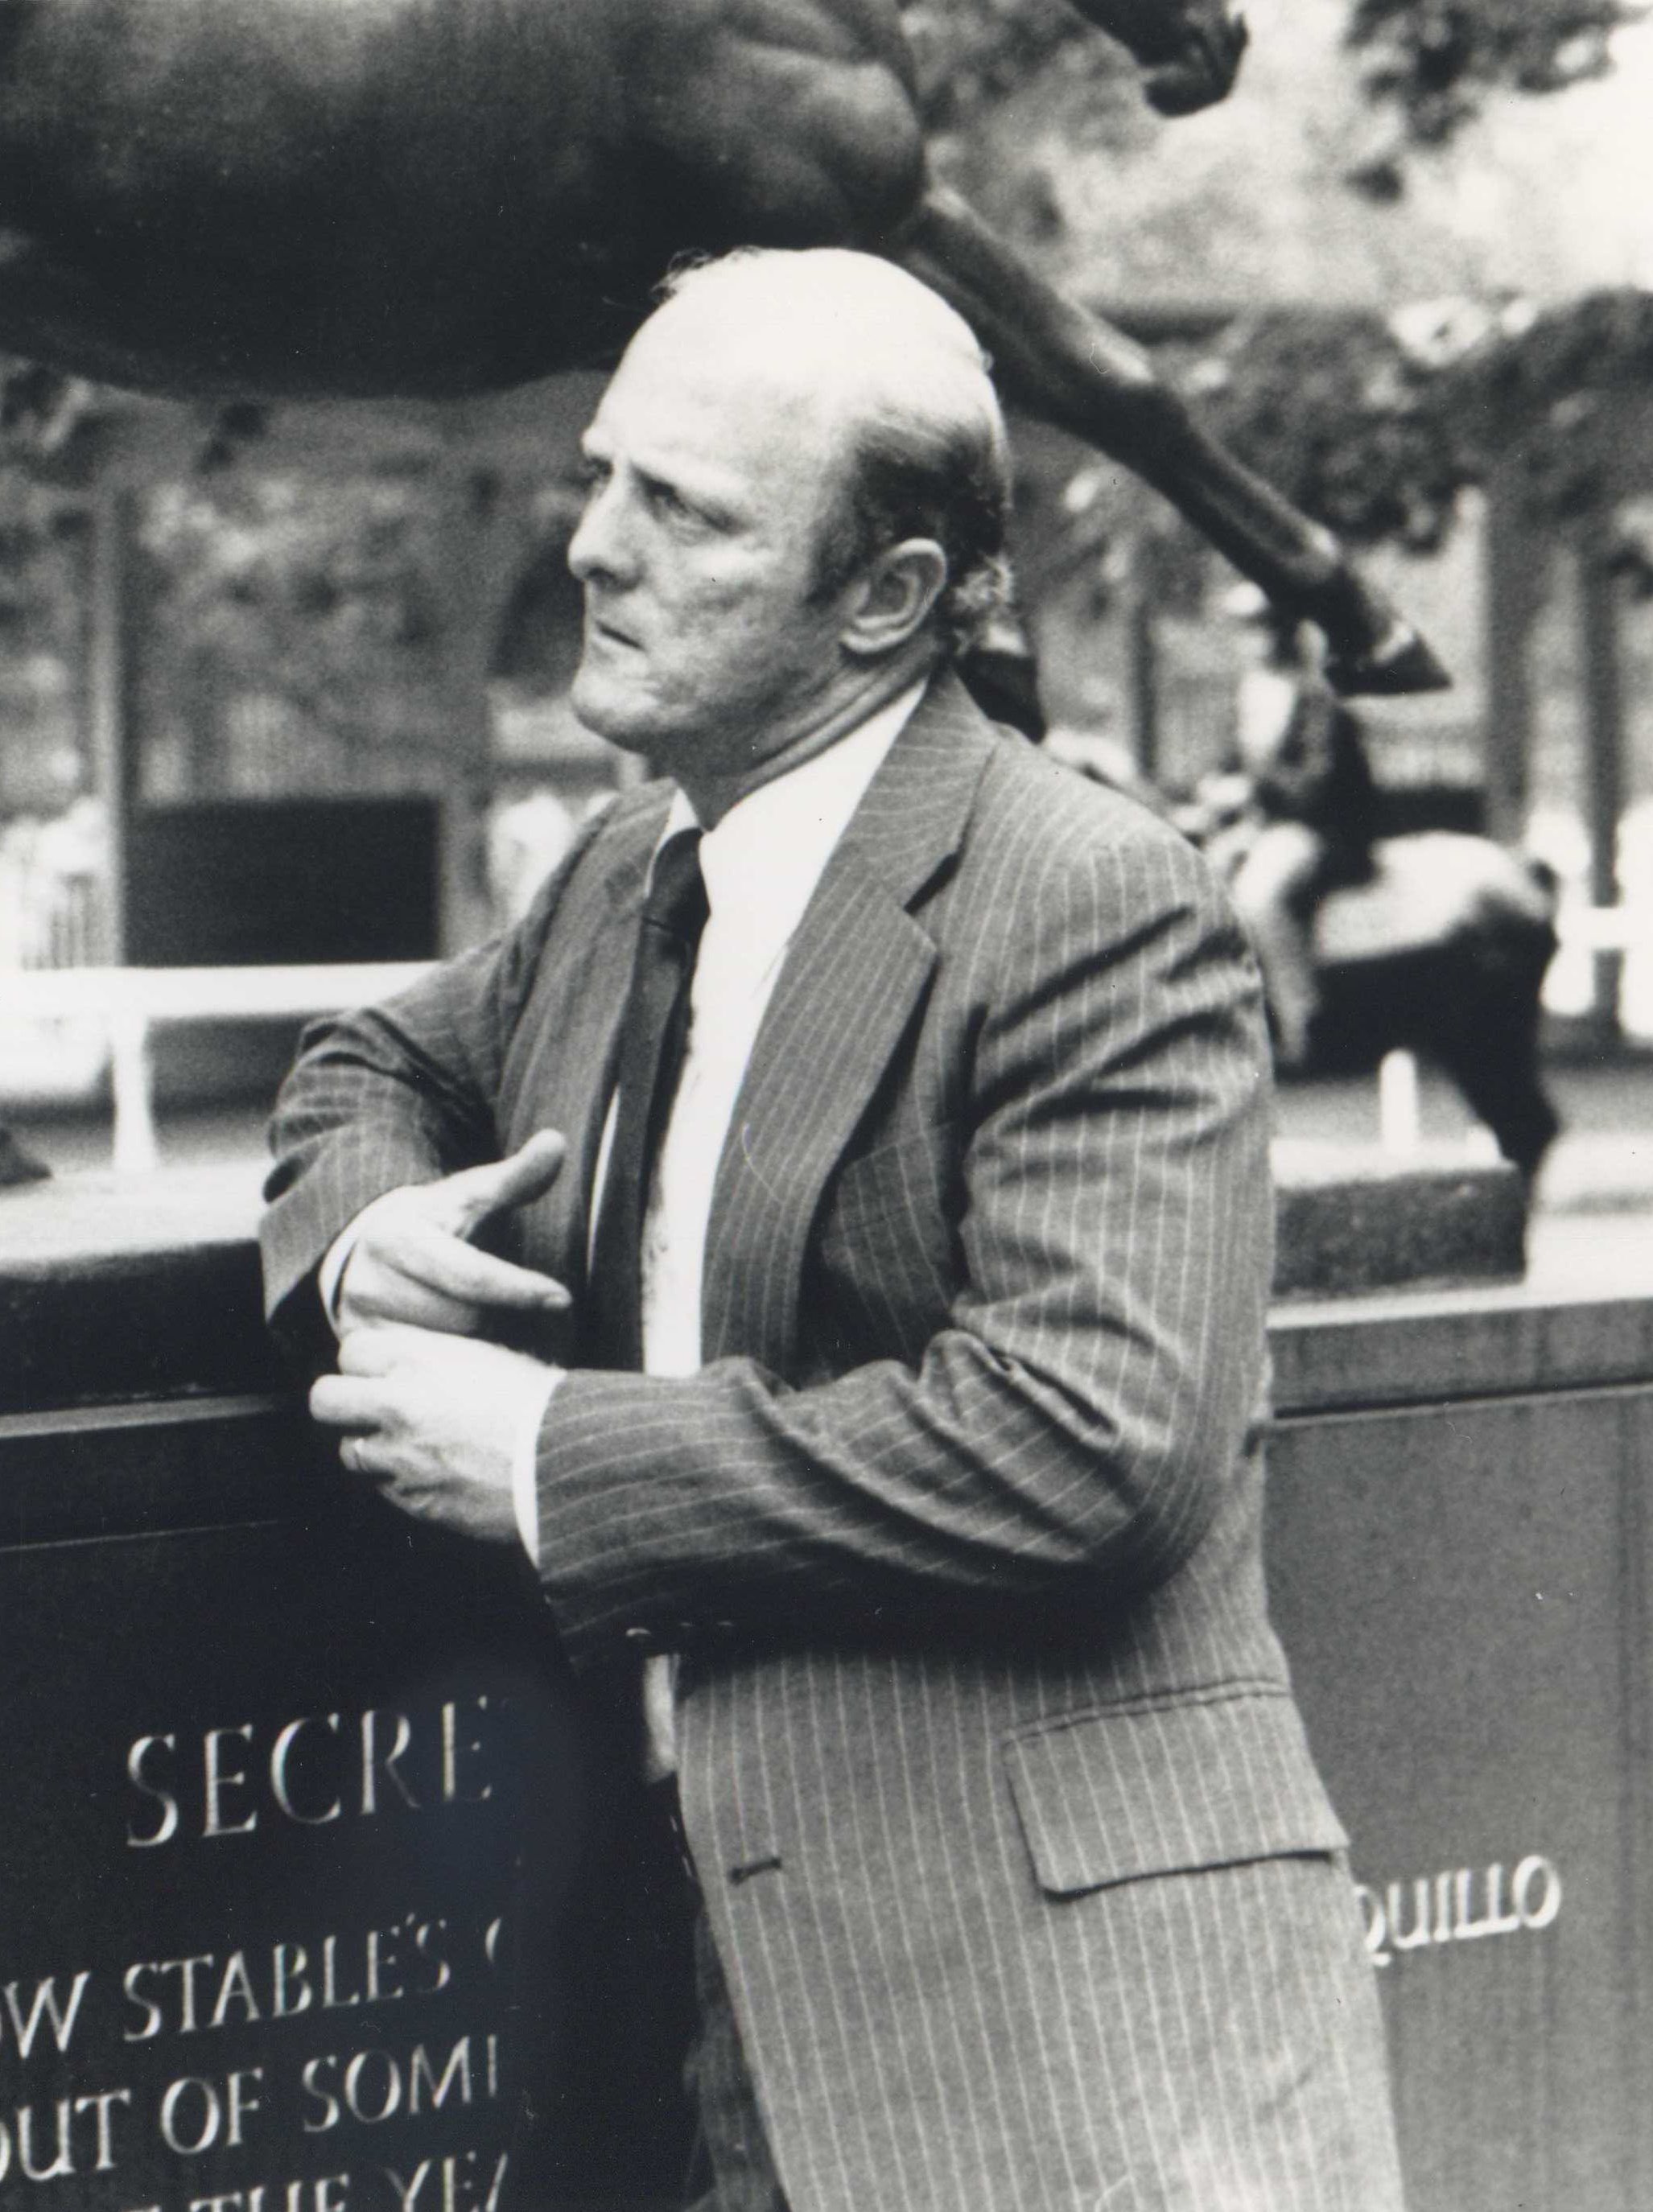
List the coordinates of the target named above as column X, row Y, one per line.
column 436, row 1421
column 410, row 1261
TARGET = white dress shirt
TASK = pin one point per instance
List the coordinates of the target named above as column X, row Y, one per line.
column 761, row 866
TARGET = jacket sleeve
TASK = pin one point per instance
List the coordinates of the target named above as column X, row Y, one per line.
column 400, row 1093
column 1066, row 1436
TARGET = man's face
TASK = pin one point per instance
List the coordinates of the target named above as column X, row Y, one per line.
column 708, row 644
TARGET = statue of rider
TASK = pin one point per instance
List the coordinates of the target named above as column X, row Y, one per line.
column 1312, row 808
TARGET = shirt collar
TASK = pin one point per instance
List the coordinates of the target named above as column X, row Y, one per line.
column 765, row 857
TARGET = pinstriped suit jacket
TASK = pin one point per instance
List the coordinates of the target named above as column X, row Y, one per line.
column 1027, row 1893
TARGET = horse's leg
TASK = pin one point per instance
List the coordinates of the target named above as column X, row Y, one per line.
column 1506, row 1092
column 1491, row 1052
column 1071, row 368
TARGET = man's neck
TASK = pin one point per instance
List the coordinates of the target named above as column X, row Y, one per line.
column 713, row 796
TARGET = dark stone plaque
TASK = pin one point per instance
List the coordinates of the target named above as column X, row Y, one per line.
column 310, row 1870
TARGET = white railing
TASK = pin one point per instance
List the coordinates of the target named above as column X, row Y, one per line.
column 1627, row 928
column 131, row 1003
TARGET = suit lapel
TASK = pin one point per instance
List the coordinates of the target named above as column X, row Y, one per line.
column 858, row 970
column 572, row 1026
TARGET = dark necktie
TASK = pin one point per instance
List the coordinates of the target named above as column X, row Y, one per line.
column 653, row 1034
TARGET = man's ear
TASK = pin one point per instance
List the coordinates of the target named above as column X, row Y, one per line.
column 891, row 601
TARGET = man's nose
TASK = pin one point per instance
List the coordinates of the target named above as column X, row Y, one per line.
column 600, row 545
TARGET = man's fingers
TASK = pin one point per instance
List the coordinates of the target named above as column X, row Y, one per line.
column 527, row 1175
column 421, row 1258
column 411, row 1263
column 383, row 1347
column 441, row 1262
column 380, row 1295
column 344, row 1401
column 369, row 1352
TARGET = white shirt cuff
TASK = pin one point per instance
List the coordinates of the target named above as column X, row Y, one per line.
column 330, row 1274
column 524, row 1466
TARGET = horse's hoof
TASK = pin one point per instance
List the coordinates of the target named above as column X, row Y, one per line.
column 1401, row 661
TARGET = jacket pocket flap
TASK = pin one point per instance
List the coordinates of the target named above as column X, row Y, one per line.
column 1111, row 1796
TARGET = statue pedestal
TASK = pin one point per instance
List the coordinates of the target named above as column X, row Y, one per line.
column 1369, row 1220
column 309, row 1844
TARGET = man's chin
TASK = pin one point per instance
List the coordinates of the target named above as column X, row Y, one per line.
column 611, row 713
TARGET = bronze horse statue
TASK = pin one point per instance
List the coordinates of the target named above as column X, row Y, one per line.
column 1441, row 949
column 1443, row 953
column 269, row 198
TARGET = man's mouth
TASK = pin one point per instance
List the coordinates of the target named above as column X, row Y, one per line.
column 610, row 632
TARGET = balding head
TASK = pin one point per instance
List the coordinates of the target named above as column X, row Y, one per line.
column 797, row 495
column 903, row 387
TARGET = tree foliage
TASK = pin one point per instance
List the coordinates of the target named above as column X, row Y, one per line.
column 318, row 590
column 316, row 596
column 1339, row 415
column 1376, row 425
column 1432, row 62
column 971, row 54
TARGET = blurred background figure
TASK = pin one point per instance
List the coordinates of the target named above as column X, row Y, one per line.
column 1298, row 810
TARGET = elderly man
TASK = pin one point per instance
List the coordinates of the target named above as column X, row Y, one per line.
column 874, row 1118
